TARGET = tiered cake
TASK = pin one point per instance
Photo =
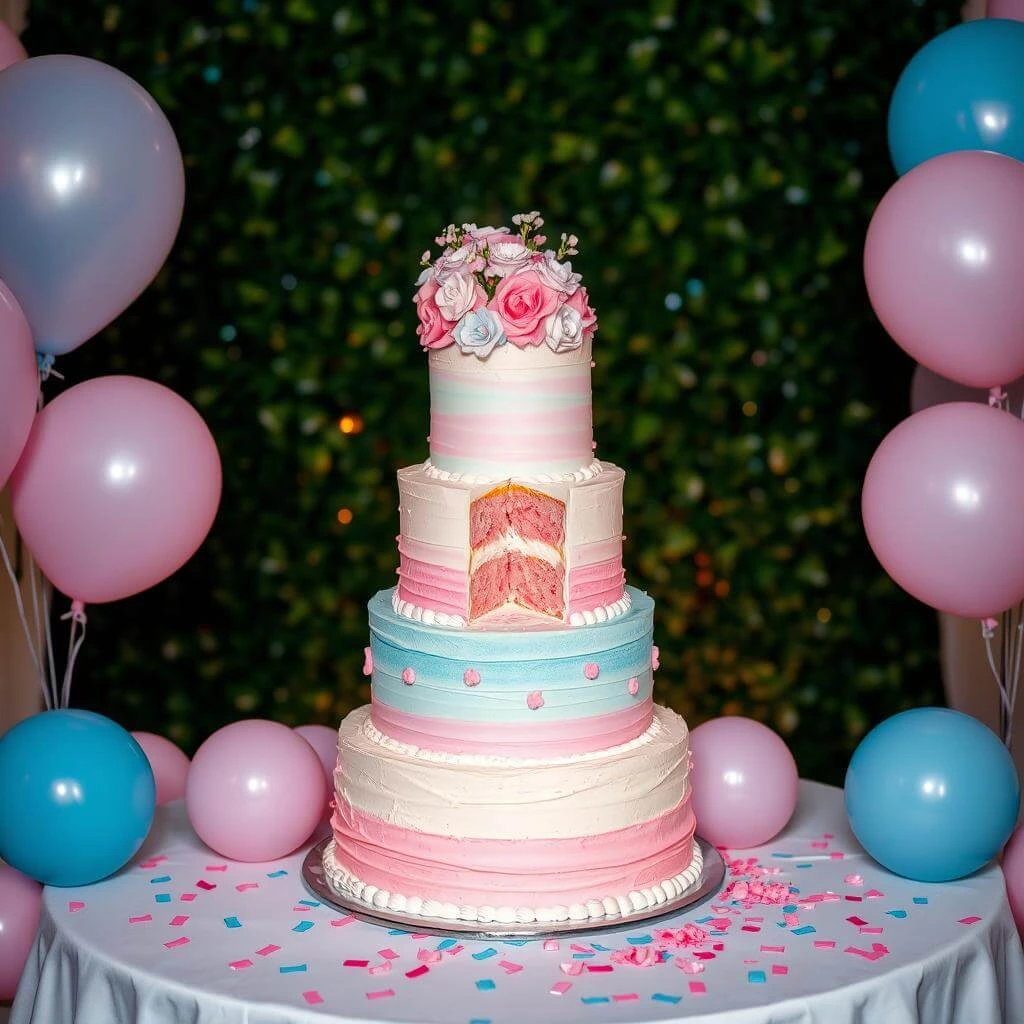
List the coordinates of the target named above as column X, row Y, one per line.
column 512, row 766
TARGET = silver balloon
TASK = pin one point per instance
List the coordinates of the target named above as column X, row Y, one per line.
column 91, row 193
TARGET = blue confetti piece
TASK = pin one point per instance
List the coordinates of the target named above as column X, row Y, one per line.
column 582, row 956
column 280, row 873
column 919, row 900
column 485, row 954
column 160, row 880
column 784, row 856
column 232, row 922
column 590, row 1000
column 485, row 985
column 703, row 920
column 303, row 926
column 308, row 903
column 804, row 865
column 756, row 977
column 897, row 913
column 293, row 969
column 600, row 948
column 516, row 942
column 447, row 944
column 789, row 908
column 640, row 940
column 806, row 929
column 480, row 1020
column 163, row 897
column 660, row 997
column 794, row 890
column 397, row 931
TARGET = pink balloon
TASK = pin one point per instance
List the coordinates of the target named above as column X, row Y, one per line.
column 943, row 504
column 20, row 903
column 325, row 742
column 19, row 376
column 117, row 487
column 928, row 388
column 944, row 262
column 255, row 791
column 11, row 50
column 744, row 782
column 169, row 764
column 1013, row 872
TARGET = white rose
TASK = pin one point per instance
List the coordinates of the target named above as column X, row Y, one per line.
column 557, row 275
column 453, row 262
column 563, row 330
column 507, row 257
column 425, row 275
column 457, row 295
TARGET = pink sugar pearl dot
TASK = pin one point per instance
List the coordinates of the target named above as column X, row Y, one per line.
column 634, row 686
column 367, row 661
column 408, row 676
column 591, row 670
column 471, row 677
column 535, row 700
column 655, row 657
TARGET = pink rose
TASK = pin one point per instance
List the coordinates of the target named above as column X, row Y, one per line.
column 588, row 318
column 524, row 302
column 434, row 331
column 458, row 294
column 504, row 258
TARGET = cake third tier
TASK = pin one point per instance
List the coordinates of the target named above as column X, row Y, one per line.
column 516, row 693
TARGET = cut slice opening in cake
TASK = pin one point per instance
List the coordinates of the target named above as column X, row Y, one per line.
column 517, row 559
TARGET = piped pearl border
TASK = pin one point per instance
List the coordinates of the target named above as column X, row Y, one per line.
column 602, row 613
column 576, row 476
column 605, row 908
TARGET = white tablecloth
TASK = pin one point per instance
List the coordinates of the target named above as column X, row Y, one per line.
column 183, row 937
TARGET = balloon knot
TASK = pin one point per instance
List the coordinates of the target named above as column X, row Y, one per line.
column 77, row 613
column 44, row 360
column 996, row 396
column 988, row 627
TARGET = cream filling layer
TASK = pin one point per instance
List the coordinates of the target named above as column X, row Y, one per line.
column 600, row 907
column 512, row 541
column 491, row 797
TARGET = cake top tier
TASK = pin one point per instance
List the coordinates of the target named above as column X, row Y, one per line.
column 501, row 289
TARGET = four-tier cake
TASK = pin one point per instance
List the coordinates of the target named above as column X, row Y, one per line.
column 512, row 766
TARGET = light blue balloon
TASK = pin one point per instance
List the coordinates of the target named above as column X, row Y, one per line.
column 91, row 194
column 932, row 794
column 76, row 797
column 962, row 90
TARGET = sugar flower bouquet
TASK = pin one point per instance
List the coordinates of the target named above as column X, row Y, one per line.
column 491, row 287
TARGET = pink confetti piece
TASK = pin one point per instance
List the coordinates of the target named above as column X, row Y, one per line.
column 240, row 965
column 792, row 920
column 625, row 997
column 340, row 922
column 388, row 954
column 216, row 867
column 455, row 950
column 870, row 930
column 429, row 956
column 74, row 906
column 313, row 997
column 854, row 879
column 773, row 949
column 717, row 946
column 576, row 948
column 420, row 935
column 417, row 972
column 302, row 910
column 698, row 988
column 267, row 950
column 599, row 968
column 780, row 969
column 182, row 941
column 857, row 921
column 876, row 952
column 873, row 894
column 384, row 967
column 854, row 899
column 824, row 944
column 969, row 920
column 384, row 993
column 690, row 966
column 819, row 844
column 355, row 963
column 704, row 955
column 246, row 886
column 837, row 855
column 141, row 919
column 551, row 945
column 755, row 928
column 560, row 988
column 205, row 885
column 571, row 967
column 179, row 920
column 187, row 897
column 509, row 967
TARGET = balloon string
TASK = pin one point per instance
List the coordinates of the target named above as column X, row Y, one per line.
column 44, row 360
column 41, row 619
column 76, row 637
column 1004, row 706
column 13, row 576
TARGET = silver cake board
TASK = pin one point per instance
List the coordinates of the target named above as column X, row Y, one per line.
column 707, row 884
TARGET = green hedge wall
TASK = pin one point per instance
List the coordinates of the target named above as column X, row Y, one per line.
column 719, row 163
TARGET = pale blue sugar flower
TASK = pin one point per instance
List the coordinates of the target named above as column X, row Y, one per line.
column 479, row 332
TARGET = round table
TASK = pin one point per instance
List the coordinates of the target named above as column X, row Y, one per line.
column 180, row 935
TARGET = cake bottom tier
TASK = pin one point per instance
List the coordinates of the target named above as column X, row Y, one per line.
column 498, row 839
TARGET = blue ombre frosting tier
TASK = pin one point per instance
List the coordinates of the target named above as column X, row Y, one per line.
column 530, row 693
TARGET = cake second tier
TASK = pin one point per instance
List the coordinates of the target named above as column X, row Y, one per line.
column 487, row 838
column 523, row 693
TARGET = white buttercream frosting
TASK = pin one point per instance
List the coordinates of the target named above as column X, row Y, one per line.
column 601, row 907
column 587, row 472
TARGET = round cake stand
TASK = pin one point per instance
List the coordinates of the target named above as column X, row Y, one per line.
column 706, row 885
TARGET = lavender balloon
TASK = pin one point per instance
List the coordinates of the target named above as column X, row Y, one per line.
column 944, row 262
column 91, row 194
column 943, row 507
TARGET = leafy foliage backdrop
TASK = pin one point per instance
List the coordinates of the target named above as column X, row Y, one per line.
column 719, row 163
